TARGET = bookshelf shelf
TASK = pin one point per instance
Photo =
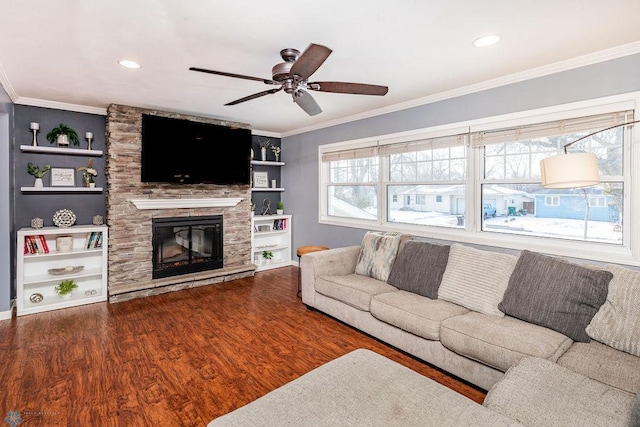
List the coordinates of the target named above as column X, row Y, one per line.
column 271, row 233
column 38, row 271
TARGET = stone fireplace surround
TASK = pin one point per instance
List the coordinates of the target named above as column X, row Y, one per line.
column 132, row 204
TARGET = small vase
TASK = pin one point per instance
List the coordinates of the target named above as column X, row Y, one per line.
column 66, row 296
column 62, row 141
column 38, row 183
column 87, row 180
column 279, row 211
column 263, row 154
column 277, row 157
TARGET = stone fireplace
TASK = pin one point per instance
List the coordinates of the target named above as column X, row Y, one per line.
column 133, row 206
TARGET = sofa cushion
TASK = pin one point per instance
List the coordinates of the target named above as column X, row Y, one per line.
column 500, row 342
column 419, row 268
column 537, row 392
column 605, row 364
column 414, row 313
column 476, row 279
column 617, row 323
column 352, row 289
column 554, row 293
column 377, row 254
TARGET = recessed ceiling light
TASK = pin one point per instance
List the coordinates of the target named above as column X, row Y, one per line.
column 486, row 40
column 129, row 64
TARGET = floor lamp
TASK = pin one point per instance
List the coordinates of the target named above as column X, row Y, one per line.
column 573, row 170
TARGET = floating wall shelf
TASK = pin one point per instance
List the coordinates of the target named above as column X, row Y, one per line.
column 58, row 150
column 61, row 189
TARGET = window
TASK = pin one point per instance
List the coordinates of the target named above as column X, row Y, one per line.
column 512, row 171
column 482, row 183
column 353, row 181
column 425, row 171
column 552, row 201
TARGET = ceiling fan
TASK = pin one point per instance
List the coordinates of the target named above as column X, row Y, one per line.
column 292, row 75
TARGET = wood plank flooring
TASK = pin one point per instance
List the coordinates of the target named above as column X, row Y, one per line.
column 179, row 359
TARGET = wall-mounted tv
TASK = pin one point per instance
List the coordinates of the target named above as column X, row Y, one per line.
column 187, row 152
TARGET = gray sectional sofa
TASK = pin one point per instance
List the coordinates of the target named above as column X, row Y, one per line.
column 553, row 308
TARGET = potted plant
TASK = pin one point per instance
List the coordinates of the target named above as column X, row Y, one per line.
column 65, row 288
column 88, row 173
column 279, row 208
column 62, row 135
column 37, row 173
column 267, row 255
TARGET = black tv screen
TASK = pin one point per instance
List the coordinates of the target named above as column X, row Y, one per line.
column 186, row 152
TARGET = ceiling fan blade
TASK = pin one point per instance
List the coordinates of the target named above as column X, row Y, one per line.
column 310, row 60
column 237, row 76
column 306, row 102
column 352, row 88
column 254, row 96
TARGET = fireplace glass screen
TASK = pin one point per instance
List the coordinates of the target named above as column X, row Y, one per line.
column 186, row 245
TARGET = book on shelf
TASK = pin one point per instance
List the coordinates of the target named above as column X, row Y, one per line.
column 94, row 240
column 35, row 244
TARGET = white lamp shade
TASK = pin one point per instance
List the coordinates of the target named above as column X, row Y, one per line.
column 570, row 171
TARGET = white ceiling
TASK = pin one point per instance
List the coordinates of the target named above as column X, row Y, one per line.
column 63, row 53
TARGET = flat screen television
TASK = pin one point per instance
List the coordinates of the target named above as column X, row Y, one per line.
column 187, row 152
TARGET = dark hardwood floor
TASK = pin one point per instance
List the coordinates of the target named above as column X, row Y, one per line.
column 179, row 359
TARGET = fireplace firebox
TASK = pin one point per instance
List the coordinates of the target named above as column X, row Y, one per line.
column 186, row 245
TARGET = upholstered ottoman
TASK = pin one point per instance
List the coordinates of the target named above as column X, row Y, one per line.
column 362, row 388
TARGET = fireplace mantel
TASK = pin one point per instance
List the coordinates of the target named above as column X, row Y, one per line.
column 219, row 202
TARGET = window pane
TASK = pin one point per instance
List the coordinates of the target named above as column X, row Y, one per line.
column 354, row 170
column 442, row 164
column 588, row 214
column 352, row 201
column 437, row 205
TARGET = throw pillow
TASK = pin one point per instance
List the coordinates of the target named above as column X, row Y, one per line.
column 476, row 279
column 617, row 323
column 377, row 254
column 419, row 268
column 556, row 294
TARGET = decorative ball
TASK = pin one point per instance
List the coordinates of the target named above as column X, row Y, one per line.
column 64, row 218
column 98, row 220
column 37, row 222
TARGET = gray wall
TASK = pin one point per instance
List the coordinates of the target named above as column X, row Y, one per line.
column 300, row 175
column 44, row 205
column 258, row 197
column 6, row 236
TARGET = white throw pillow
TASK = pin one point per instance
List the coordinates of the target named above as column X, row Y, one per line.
column 377, row 254
column 476, row 279
column 617, row 323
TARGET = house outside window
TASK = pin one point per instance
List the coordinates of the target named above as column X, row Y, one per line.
column 431, row 182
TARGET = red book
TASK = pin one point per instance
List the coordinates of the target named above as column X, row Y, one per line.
column 43, row 241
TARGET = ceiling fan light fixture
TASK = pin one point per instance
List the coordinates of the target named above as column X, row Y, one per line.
column 486, row 41
column 127, row 63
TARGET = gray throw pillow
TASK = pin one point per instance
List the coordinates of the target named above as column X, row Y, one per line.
column 555, row 294
column 377, row 254
column 419, row 268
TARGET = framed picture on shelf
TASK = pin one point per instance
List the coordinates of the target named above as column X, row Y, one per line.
column 261, row 179
column 63, row 177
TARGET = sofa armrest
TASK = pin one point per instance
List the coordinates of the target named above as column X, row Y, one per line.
column 337, row 262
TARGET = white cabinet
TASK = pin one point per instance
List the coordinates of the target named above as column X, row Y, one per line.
column 271, row 235
column 41, row 267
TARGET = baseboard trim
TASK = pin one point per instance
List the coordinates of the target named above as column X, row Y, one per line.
column 6, row 315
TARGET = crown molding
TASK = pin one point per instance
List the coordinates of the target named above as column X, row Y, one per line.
column 545, row 70
column 34, row 102
column 6, row 84
column 266, row 133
